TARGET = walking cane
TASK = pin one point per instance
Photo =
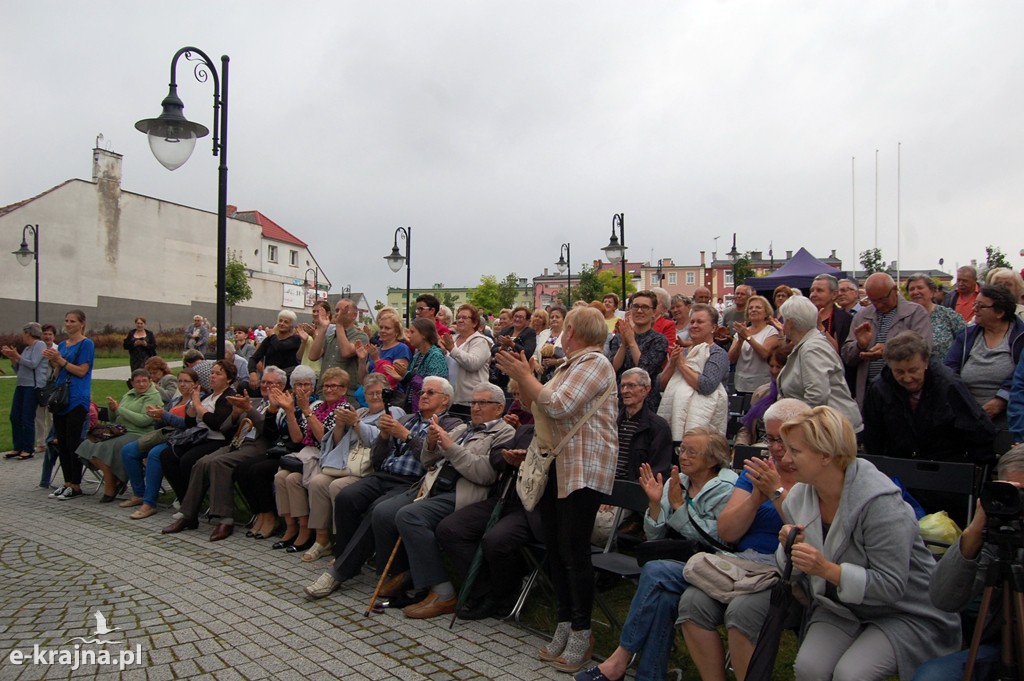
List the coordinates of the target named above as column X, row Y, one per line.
column 391, row 559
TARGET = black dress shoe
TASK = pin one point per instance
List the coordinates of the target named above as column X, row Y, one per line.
column 250, row 534
column 107, row 498
column 407, row 598
column 303, row 547
column 283, row 544
column 477, row 609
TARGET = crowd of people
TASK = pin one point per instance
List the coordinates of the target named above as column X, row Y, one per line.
column 344, row 440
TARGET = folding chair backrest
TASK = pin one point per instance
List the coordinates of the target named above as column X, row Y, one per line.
column 627, row 495
column 949, row 477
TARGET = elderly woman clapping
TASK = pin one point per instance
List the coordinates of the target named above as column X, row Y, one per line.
column 814, row 372
column 695, row 494
column 32, row 372
column 282, row 349
column 131, row 413
column 863, row 566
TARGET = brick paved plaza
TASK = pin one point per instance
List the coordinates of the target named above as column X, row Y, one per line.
column 199, row 610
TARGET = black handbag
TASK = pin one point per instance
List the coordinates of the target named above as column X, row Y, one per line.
column 290, row 462
column 188, row 438
column 56, row 396
column 668, row 549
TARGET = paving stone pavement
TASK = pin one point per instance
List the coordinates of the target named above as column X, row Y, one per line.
column 198, row 610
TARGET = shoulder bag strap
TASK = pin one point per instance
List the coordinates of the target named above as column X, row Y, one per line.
column 579, row 424
column 712, row 542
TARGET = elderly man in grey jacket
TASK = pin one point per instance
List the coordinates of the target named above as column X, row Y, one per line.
column 459, row 473
column 888, row 314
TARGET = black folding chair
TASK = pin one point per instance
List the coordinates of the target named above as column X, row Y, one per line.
column 945, row 477
column 626, row 495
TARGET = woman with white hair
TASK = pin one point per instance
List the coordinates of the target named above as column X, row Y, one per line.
column 814, row 372
column 282, row 349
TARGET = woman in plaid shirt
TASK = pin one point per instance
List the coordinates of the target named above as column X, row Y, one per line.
column 582, row 473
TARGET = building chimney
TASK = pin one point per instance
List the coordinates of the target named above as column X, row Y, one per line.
column 545, row 271
column 756, row 255
column 833, row 255
column 106, row 166
column 714, row 256
column 702, row 258
column 789, row 255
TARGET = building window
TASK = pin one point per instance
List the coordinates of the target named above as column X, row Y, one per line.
column 690, row 280
column 728, row 277
column 671, row 278
column 272, row 253
column 293, row 258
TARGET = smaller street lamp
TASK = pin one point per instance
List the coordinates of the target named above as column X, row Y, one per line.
column 396, row 260
column 616, row 250
column 734, row 257
column 316, row 283
column 26, row 256
column 565, row 265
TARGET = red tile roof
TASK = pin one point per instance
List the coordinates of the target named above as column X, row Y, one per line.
column 271, row 230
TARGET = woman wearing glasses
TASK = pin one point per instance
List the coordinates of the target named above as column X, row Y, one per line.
column 469, row 355
column 986, row 353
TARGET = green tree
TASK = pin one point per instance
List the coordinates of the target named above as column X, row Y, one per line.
column 508, row 290
column 487, row 296
column 450, row 299
column 594, row 285
column 378, row 305
column 743, row 269
column 871, row 261
column 236, row 285
column 994, row 257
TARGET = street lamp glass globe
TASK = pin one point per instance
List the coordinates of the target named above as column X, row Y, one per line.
column 24, row 255
column 561, row 264
column 395, row 260
column 614, row 251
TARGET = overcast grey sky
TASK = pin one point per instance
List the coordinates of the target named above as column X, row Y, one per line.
column 500, row 130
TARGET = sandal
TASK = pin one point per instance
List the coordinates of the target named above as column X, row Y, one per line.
column 25, row 456
column 12, row 454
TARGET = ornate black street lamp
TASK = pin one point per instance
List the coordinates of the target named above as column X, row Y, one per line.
column 616, row 250
column 316, row 283
column 396, row 260
column 172, row 138
column 347, row 291
column 26, row 256
column 564, row 264
column 658, row 273
column 734, row 257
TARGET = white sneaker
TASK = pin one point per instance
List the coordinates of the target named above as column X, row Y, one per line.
column 177, row 516
column 70, row 493
column 175, row 504
column 324, row 586
column 57, row 492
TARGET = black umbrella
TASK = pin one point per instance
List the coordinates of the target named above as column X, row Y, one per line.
column 762, row 662
column 478, row 557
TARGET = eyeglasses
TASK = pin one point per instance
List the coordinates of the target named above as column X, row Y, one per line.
column 334, row 386
column 630, row 386
column 463, row 317
column 483, row 403
column 430, row 392
column 302, row 384
column 979, row 306
column 635, row 307
column 374, row 393
column 519, row 318
column 421, row 309
column 185, row 381
column 771, row 441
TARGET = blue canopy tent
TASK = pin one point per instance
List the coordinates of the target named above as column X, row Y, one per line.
column 799, row 272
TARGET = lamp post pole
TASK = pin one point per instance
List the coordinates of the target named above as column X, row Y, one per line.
column 734, row 256
column 564, row 264
column 347, row 291
column 25, row 256
column 396, row 260
column 659, row 273
column 172, row 138
column 616, row 249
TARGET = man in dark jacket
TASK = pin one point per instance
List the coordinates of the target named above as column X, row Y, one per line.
column 644, row 437
column 920, row 409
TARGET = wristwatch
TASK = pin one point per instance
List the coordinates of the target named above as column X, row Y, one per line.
column 777, row 494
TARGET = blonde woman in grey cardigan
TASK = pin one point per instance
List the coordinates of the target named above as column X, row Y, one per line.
column 862, row 565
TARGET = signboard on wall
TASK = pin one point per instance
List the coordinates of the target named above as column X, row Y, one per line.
column 293, row 296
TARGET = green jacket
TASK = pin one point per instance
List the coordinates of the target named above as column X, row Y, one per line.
column 131, row 411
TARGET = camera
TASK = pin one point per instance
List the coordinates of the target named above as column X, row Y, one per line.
column 346, row 406
column 388, row 395
column 1003, row 504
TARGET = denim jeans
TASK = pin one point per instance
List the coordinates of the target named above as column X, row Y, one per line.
column 23, row 418
column 148, row 486
column 951, row 667
column 650, row 624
